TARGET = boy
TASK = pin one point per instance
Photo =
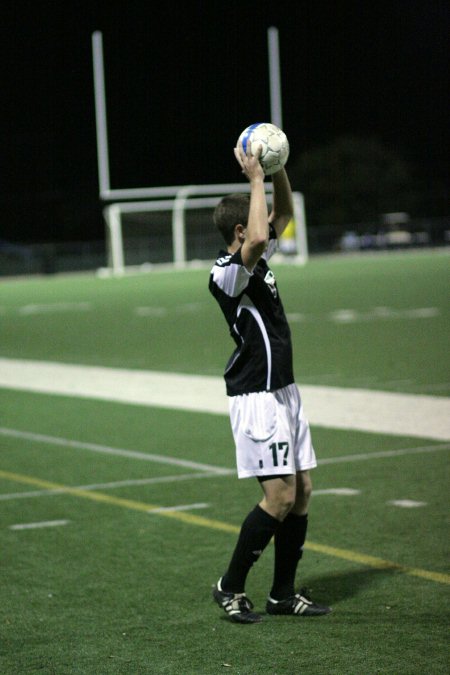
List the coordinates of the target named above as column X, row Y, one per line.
column 272, row 437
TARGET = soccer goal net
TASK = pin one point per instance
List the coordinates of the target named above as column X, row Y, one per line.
column 180, row 230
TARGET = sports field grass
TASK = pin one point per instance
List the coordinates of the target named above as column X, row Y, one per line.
column 109, row 583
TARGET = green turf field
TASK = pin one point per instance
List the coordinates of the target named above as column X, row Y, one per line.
column 112, row 584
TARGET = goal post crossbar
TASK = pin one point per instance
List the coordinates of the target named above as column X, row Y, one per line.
column 174, row 190
column 185, row 198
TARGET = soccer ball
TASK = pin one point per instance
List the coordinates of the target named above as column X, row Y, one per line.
column 275, row 145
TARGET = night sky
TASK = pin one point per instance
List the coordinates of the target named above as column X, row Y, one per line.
column 182, row 81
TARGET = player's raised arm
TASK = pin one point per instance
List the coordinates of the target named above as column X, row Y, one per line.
column 254, row 237
column 282, row 205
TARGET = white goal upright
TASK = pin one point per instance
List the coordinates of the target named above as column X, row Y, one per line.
column 173, row 224
column 178, row 229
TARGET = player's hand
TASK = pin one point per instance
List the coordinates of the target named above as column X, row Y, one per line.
column 249, row 163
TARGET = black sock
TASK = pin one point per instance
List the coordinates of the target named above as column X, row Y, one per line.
column 289, row 540
column 256, row 532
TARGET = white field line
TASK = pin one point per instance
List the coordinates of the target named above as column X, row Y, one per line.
column 105, row 449
column 406, row 503
column 384, row 454
column 208, row 469
column 340, row 492
column 181, row 507
column 147, row 481
column 55, row 307
column 379, row 412
column 218, row 471
column 35, row 526
column 114, row 484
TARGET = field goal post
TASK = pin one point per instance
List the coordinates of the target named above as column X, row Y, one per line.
column 180, row 200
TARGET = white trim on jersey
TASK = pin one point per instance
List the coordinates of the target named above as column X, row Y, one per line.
column 231, row 279
column 247, row 304
column 271, row 248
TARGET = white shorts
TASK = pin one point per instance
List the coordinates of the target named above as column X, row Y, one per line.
column 271, row 434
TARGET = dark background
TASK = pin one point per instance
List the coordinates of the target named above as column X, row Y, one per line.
column 182, row 81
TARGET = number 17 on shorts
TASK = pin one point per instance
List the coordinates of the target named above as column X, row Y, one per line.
column 271, row 435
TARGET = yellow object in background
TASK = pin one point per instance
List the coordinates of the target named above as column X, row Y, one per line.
column 287, row 240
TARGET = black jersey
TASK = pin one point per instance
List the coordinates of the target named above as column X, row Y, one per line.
column 262, row 360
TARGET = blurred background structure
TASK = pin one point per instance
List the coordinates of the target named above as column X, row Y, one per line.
column 365, row 91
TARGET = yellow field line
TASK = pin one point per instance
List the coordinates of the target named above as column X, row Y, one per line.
column 192, row 519
column 378, row 563
column 118, row 501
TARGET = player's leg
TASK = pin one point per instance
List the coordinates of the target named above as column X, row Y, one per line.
column 258, row 529
column 291, row 534
column 279, row 495
column 256, row 532
column 290, row 538
column 254, row 423
column 303, row 493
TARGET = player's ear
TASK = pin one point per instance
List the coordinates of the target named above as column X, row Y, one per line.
column 239, row 232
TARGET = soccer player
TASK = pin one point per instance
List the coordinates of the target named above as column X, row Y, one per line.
column 272, row 437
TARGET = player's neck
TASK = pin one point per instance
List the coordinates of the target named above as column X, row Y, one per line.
column 235, row 246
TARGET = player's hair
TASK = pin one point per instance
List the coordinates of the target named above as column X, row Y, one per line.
column 232, row 210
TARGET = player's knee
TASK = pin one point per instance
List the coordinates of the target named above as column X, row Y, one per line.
column 283, row 504
column 303, row 495
column 304, row 486
column 306, row 493
column 279, row 505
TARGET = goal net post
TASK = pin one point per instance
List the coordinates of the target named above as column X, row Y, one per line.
column 179, row 230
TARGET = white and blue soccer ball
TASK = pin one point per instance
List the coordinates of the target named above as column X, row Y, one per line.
column 274, row 142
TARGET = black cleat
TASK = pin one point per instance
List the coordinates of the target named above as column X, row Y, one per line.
column 236, row 605
column 299, row 605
